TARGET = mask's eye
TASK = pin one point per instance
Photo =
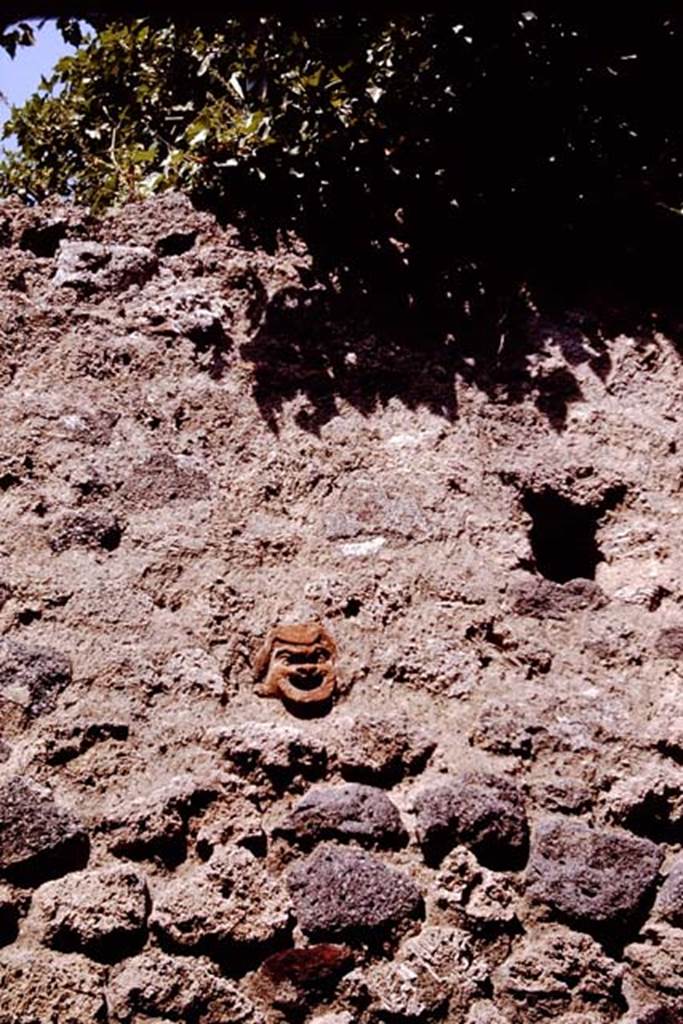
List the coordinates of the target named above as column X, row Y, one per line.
column 319, row 654
column 292, row 657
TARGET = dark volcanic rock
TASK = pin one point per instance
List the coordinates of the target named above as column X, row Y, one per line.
column 351, row 812
column 162, row 479
column 484, row 812
column 38, row 839
column 543, row 598
column 564, row 795
column 670, row 643
column 32, row 677
column 593, row 879
column 341, row 893
column 87, row 529
column 661, row 1014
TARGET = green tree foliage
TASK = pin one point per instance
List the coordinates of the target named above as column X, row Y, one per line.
column 424, row 155
column 17, row 35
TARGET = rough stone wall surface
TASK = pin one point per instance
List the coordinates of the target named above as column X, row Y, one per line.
column 480, row 829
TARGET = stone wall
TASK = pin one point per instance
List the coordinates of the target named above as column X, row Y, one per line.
column 196, row 443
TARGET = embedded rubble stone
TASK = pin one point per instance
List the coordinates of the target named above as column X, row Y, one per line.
column 185, row 989
column 333, row 1018
column 564, row 795
column 545, row 599
column 274, row 754
column 553, row 971
column 669, row 903
column 506, row 729
column 592, row 878
column 366, row 508
column 289, row 979
column 196, row 672
column 482, row 811
column 381, row 750
column 161, row 479
column 41, row 987
column 654, row 1013
column 485, row 1012
column 101, row 913
column 656, row 959
column 458, row 874
column 429, row 975
column 650, row 804
column 670, row 643
column 69, row 741
column 32, row 677
column 344, row 893
column 38, row 839
column 493, row 902
column 90, row 267
column 168, row 223
column 231, row 820
column 311, row 967
column 155, row 826
column 486, row 900
column 665, row 731
column 229, row 904
column 351, row 812
column 97, row 530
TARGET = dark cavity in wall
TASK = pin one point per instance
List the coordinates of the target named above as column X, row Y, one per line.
column 43, row 240
column 563, row 533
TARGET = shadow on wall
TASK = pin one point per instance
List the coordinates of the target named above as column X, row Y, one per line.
column 325, row 347
column 384, row 331
column 310, row 343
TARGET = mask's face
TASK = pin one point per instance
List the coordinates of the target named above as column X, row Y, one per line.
column 298, row 663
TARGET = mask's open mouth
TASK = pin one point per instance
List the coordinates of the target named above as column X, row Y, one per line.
column 306, row 680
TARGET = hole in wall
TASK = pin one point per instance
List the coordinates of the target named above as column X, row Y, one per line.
column 176, row 243
column 43, row 239
column 352, row 608
column 28, row 615
column 563, row 533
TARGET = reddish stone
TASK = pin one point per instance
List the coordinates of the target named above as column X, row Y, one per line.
column 309, row 967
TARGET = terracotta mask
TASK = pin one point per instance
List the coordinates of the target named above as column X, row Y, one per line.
column 297, row 663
